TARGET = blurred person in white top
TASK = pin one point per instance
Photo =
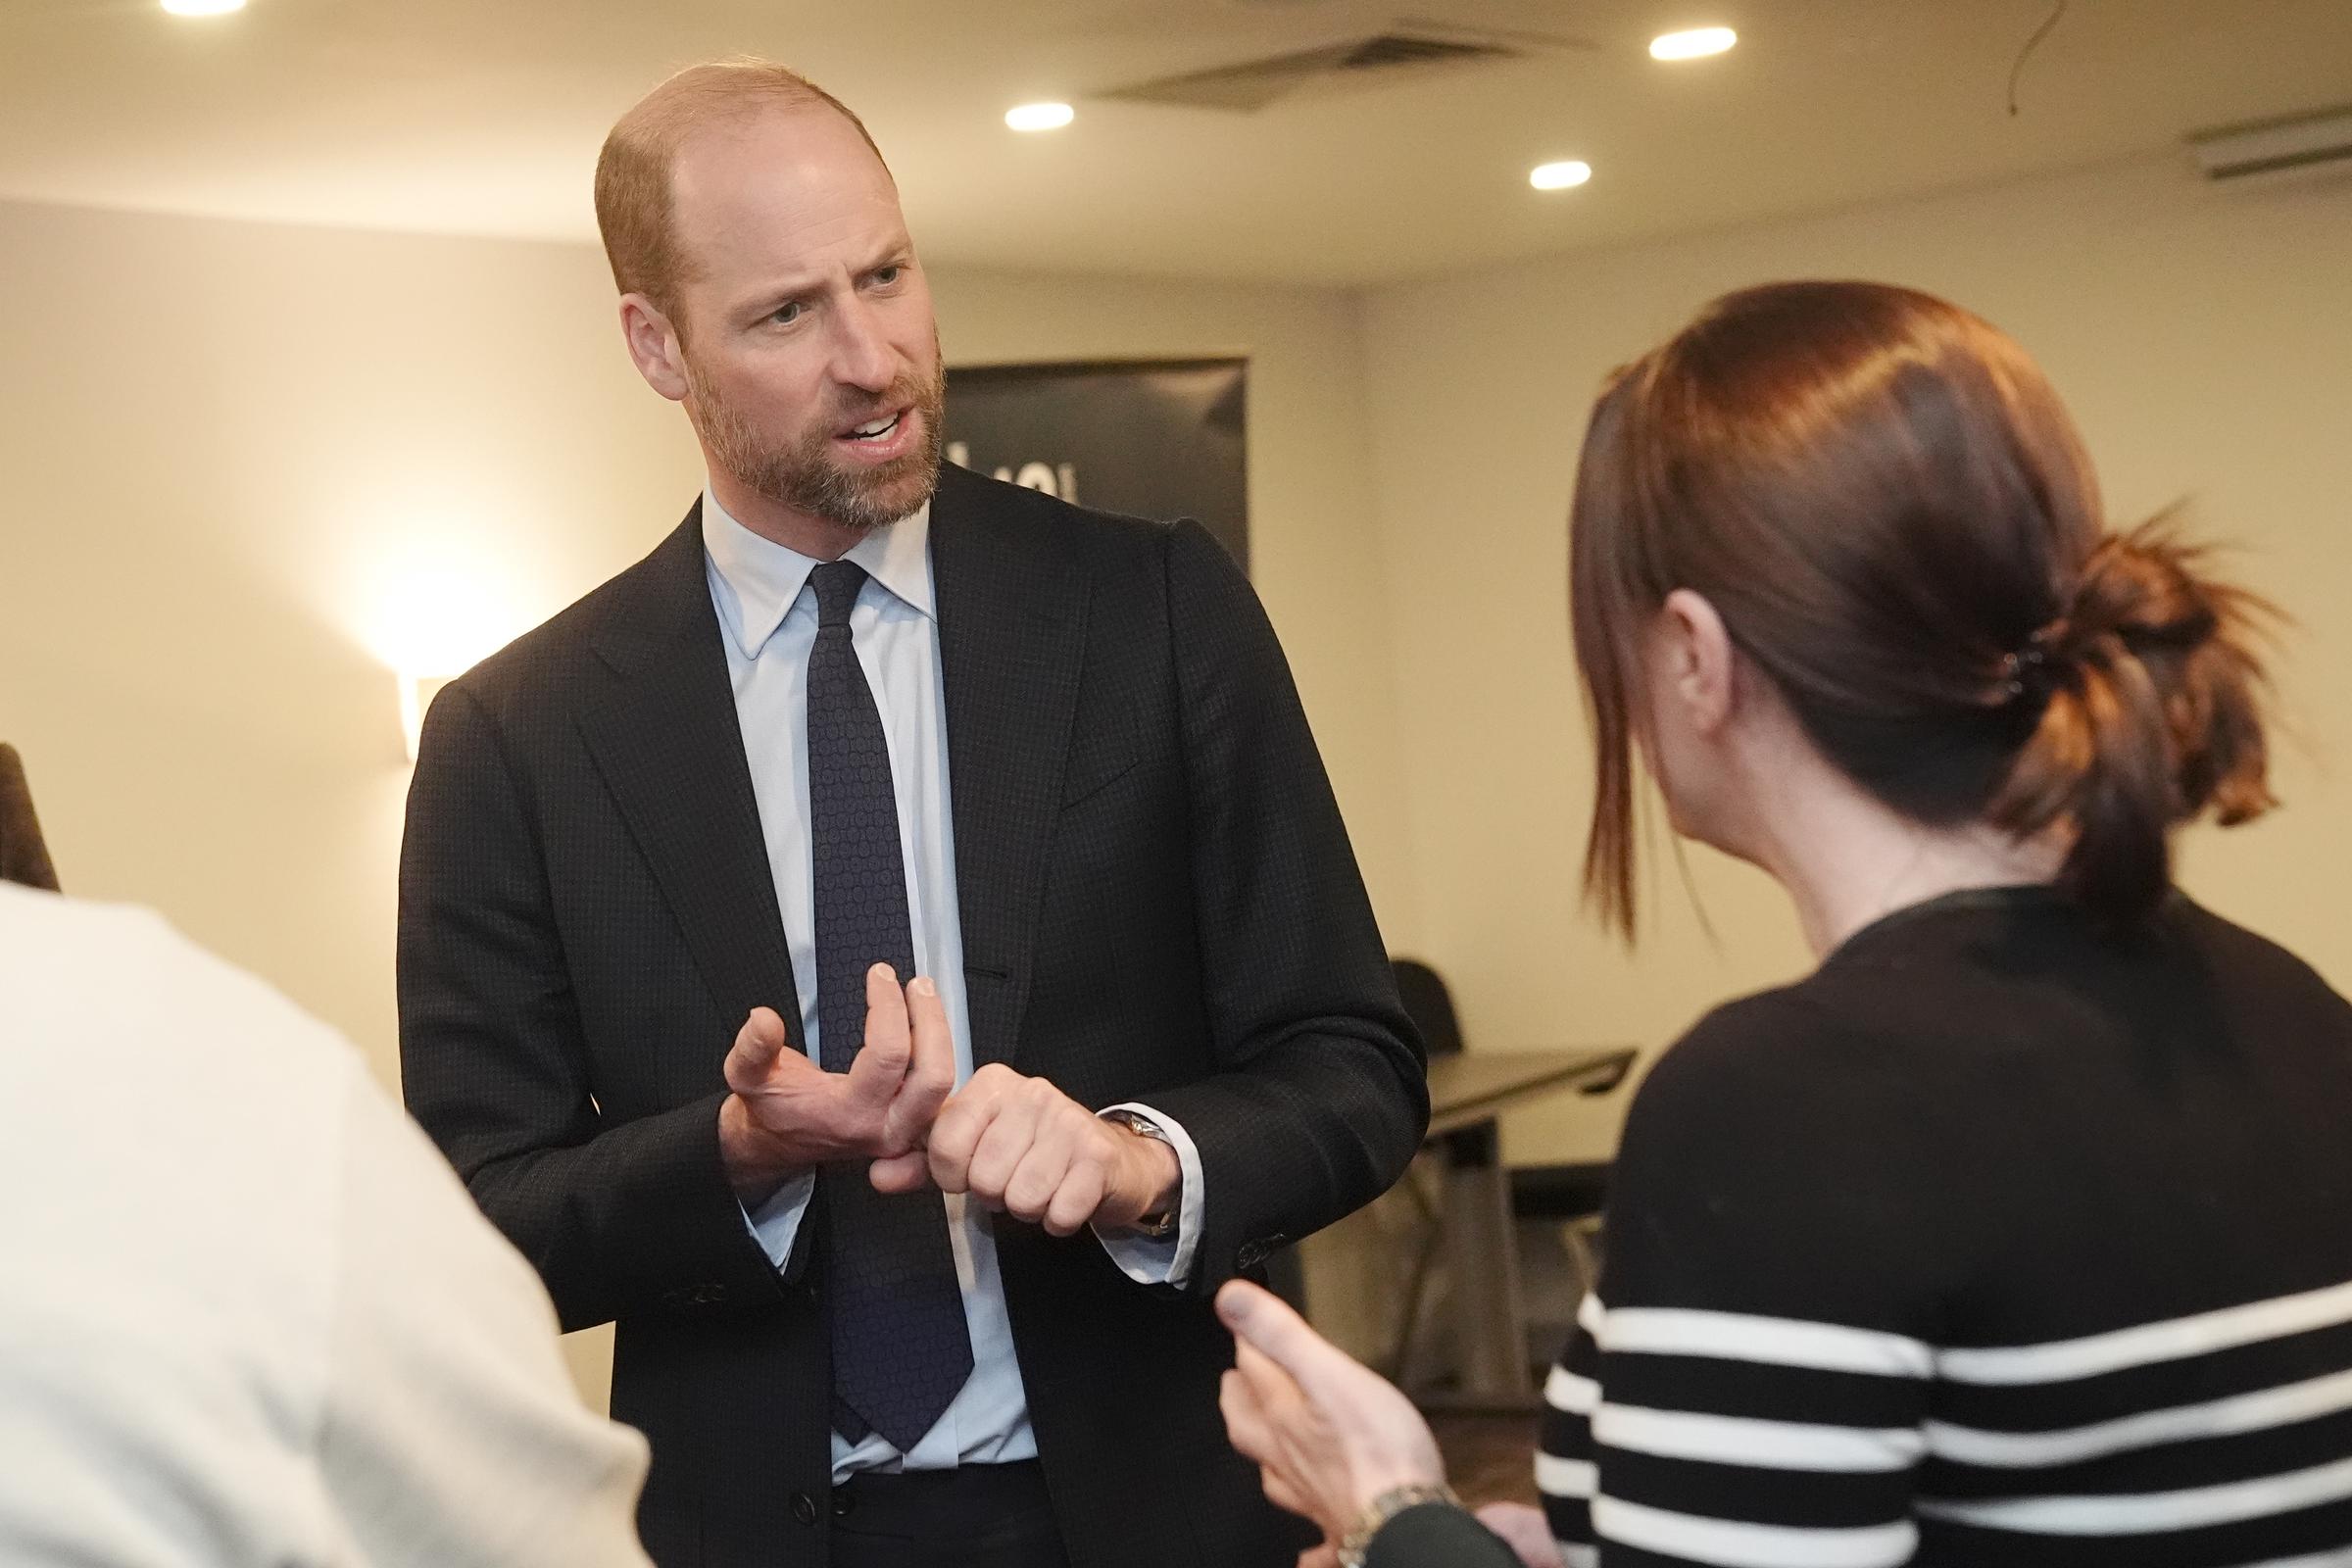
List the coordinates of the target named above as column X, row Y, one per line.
column 247, row 1315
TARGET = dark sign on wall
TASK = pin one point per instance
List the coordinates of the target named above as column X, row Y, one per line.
column 1159, row 438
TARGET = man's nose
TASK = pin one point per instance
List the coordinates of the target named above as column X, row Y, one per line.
column 862, row 355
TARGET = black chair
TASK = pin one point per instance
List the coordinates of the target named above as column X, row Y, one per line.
column 1571, row 1194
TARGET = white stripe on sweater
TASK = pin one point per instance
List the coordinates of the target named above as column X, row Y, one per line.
column 2217, row 1418
column 1576, row 1479
column 1758, row 1444
column 1770, row 1340
column 2174, row 1339
column 1730, row 1543
column 1569, row 1393
column 2151, row 1512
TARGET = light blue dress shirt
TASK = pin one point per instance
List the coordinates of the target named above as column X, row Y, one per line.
column 760, row 590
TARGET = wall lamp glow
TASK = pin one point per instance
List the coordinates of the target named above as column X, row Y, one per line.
column 431, row 616
column 1695, row 44
column 1561, row 175
column 203, row 7
column 1040, row 117
column 417, row 694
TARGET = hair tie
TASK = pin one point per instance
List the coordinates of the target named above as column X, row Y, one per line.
column 2029, row 666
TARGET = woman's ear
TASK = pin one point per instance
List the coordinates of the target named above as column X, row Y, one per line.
column 1698, row 662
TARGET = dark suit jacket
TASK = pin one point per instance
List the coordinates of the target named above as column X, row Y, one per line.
column 1158, row 903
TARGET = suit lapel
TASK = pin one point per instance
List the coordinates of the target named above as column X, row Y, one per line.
column 670, row 749
column 1011, row 642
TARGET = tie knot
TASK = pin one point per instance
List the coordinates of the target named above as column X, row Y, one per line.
column 836, row 584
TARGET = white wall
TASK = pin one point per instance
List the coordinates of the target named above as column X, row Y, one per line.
column 228, row 448
column 2203, row 338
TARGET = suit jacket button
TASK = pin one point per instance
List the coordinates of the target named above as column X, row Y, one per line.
column 804, row 1507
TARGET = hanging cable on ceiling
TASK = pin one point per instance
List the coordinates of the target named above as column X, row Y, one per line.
column 2027, row 53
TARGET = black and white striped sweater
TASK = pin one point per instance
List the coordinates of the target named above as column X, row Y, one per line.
column 1996, row 1241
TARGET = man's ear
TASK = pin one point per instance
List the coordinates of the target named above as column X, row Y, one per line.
column 1701, row 664
column 654, row 345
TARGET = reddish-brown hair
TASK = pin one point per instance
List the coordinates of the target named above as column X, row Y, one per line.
column 633, row 206
column 1887, row 505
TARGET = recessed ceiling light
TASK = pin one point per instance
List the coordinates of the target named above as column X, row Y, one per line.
column 1040, row 117
column 203, row 7
column 1695, row 44
column 1560, row 175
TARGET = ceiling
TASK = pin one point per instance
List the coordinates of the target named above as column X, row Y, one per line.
column 484, row 116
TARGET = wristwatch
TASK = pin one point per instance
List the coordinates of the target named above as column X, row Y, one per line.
column 1385, row 1507
column 1155, row 1226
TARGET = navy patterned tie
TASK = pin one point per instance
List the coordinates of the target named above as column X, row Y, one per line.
column 901, row 1348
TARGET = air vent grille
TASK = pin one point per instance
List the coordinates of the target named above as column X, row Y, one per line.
column 1254, row 84
column 1393, row 49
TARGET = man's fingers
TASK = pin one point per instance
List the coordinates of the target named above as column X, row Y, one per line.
column 962, row 1122
column 1044, row 1168
column 900, row 1173
column 1326, row 1556
column 757, row 1043
column 934, row 1046
column 1010, row 1135
column 880, row 1066
column 930, row 1067
column 1075, row 1200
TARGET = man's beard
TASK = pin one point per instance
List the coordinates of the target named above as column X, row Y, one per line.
column 802, row 474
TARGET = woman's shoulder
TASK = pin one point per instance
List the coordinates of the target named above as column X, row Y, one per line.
column 1761, row 1042
column 1792, row 1076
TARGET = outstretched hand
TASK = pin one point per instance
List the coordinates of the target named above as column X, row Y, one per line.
column 787, row 1114
column 1329, row 1435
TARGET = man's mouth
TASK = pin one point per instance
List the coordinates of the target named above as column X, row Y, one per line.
column 875, row 429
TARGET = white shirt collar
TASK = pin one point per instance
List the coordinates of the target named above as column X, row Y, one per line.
column 766, row 577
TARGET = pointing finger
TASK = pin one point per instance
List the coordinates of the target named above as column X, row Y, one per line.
column 880, row 1064
column 1263, row 1322
column 931, row 1067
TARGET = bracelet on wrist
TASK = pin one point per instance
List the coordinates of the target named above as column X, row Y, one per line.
column 1385, row 1507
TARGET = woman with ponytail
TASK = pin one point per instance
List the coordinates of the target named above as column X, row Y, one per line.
column 2019, row 1232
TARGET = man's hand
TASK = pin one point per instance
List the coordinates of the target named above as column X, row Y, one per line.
column 1022, row 1146
column 787, row 1114
column 1329, row 1437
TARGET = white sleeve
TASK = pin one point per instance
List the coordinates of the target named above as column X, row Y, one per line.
column 1164, row 1260
column 452, row 1436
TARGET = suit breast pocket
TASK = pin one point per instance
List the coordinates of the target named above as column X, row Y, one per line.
column 1099, row 757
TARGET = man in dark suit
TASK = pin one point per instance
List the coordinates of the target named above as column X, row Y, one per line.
column 894, row 950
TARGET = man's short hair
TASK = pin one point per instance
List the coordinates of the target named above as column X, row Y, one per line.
column 633, row 184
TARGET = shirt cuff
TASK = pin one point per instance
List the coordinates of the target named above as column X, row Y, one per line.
column 776, row 1223
column 1162, row 1260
